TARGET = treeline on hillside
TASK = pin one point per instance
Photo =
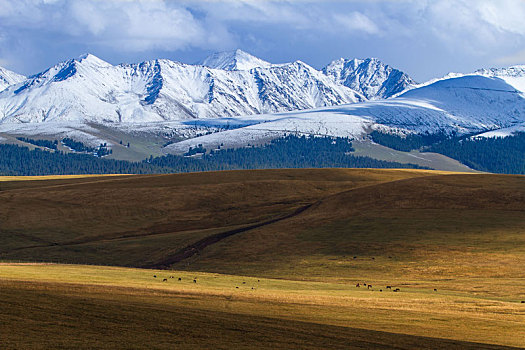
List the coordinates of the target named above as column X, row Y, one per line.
column 16, row 160
column 498, row 155
column 408, row 142
column 41, row 143
column 77, row 146
column 288, row 152
column 100, row 151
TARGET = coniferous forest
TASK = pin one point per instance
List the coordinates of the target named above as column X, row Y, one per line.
column 288, row 152
column 504, row 155
column 499, row 155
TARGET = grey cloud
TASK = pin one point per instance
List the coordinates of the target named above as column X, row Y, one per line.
column 436, row 33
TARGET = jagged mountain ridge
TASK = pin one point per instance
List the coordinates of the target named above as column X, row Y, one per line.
column 370, row 77
column 90, row 89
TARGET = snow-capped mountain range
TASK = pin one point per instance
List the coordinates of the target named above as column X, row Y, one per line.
column 235, row 99
column 227, row 84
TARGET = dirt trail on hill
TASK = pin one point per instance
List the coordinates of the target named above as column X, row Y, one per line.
column 198, row 246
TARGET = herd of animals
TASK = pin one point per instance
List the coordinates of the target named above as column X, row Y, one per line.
column 358, row 285
column 194, row 280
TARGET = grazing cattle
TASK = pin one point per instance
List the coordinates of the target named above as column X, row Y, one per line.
column 373, row 258
column 358, row 285
column 243, row 282
column 165, row 280
column 154, row 276
column 380, row 290
column 388, row 287
column 397, row 290
column 523, row 301
column 364, row 284
column 237, row 287
column 355, row 257
column 180, row 279
column 194, row 281
column 435, row 290
column 258, row 281
column 369, row 286
column 171, row 277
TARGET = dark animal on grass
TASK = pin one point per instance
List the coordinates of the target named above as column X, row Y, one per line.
column 369, row 286
column 397, row 290
column 194, row 281
column 180, row 279
column 435, row 290
column 388, row 287
column 171, row 277
column 364, row 284
column 154, row 276
column 358, row 285
column 380, row 290
column 165, row 280
column 243, row 282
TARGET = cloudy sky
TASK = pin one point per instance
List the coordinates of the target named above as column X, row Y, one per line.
column 426, row 38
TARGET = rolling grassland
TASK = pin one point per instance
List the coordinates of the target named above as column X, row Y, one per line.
column 275, row 254
column 64, row 306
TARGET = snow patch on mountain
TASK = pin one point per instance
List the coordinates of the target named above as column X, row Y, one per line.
column 504, row 132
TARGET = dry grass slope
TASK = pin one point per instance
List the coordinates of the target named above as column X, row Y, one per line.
column 462, row 234
column 65, row 306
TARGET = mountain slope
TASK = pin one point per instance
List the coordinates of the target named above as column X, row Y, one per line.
column 88, row 89
column 371, row 77
column 8, row 77
column 514, row 75
column 468, row 104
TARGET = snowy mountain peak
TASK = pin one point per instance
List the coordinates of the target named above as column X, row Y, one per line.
column 92, row 60
column 8, row 78
column 234, row 60
column 370, row 76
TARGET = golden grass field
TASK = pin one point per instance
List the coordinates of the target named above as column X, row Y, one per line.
column 301, row 239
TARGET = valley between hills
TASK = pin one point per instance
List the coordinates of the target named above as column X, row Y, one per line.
column 264, row 258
